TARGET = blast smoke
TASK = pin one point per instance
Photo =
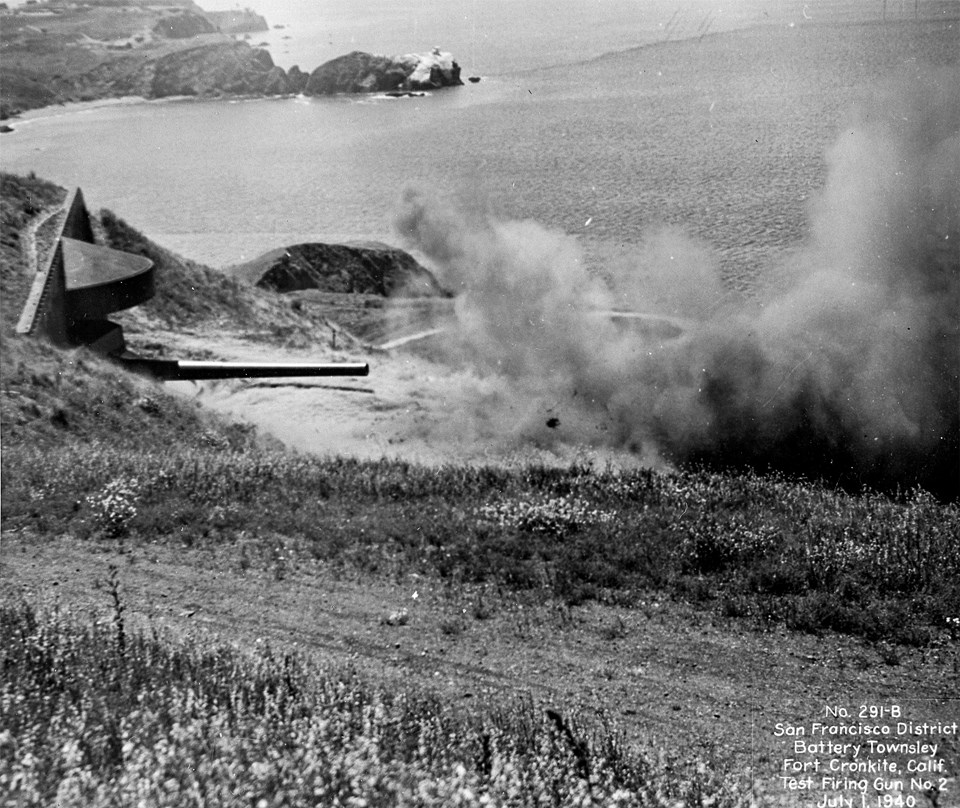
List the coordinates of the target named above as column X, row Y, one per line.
column 847, row 370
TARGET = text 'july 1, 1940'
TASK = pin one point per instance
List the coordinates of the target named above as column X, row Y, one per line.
column 884, row 755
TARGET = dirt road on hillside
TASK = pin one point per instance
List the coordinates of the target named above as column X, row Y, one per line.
column 664, row 673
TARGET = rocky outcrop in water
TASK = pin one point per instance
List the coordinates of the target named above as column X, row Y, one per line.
column 228, row 68
column 237, row 21
column 184, row 25
column 359, row 268
column 297, row 79
column 360, row 72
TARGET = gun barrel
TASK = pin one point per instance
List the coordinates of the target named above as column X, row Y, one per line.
column 186, row 369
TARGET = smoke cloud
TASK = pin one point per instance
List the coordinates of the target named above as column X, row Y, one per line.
column 846, row 369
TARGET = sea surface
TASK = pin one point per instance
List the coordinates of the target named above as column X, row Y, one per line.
column 603, row 131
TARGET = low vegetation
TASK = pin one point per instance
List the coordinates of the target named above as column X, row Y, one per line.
column 760, row 548
column 95, row 715
column 190, row 291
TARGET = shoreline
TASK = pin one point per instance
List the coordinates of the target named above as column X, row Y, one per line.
column 66, row 108
column 368, row 204
column 71, row 107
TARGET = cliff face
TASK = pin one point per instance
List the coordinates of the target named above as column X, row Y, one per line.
column 237, row 22
column 223, row 67
column 23, row 90
column 360, row 72
column 346, row 268
column 184, row 26
column 232, row 68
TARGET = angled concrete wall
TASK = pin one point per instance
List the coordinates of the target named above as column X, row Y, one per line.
column 81, row 284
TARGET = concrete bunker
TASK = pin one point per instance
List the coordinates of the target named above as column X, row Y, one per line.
column 84, row 282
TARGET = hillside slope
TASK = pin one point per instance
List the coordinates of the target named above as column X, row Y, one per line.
column 52, row 398
column 367, row 268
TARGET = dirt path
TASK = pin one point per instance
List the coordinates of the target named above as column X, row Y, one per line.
column 28, row 237
column 31, row 266
column 667, row 674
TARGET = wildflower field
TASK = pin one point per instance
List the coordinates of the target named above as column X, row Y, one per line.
column 760, row 548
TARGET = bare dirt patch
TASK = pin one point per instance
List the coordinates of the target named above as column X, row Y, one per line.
column 409, row 407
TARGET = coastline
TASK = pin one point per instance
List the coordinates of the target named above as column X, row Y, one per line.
column 748, row 30
column 322, row 186
column 67, row 108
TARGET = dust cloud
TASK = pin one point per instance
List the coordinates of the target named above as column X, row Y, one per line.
column 845, row 369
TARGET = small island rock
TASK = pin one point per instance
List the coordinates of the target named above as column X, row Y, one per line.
column 360, row 72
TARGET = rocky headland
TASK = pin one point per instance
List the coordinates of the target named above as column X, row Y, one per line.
column 209, row 69
column 237, row 21
column 56, row 54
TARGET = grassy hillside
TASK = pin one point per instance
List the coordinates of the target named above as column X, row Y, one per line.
column 53, row 399
column 762, row 548
column 100, row 459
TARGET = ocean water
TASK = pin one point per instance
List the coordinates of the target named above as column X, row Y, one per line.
column 502, row 36
column 721, row 135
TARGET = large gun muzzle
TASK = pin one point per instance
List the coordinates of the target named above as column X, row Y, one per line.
column 169, row 370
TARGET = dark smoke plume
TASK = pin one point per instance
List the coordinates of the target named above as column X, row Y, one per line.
column 846, row 371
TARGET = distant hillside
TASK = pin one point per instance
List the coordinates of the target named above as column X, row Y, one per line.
column 237, row 21
column 184, row 26
column 221, row 67
column 57, row 53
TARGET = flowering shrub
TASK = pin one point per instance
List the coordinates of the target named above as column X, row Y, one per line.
column 114, row 506
column 556, row 516
column 710, row 544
